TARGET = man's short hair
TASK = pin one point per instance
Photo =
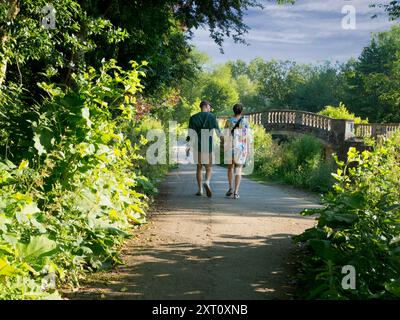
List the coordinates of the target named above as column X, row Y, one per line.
column 237, row 108
column 204, row 103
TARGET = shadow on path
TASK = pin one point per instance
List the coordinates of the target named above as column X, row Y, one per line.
column 201, row 248
column 234, row 269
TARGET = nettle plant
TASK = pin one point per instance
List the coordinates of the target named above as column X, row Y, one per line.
column 68, row 207
column 358, row 226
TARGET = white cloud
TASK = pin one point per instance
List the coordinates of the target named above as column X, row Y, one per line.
column 318, row 6
column 277, row 36
column 306, row 31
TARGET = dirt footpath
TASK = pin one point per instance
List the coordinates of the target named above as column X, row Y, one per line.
column 201, row 248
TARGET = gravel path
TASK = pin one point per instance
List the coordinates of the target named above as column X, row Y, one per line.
column 209, row 248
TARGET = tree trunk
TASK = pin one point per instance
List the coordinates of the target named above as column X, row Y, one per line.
column 13, row 11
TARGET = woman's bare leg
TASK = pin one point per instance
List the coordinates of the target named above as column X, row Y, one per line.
column 238, row 177
column 230, row 175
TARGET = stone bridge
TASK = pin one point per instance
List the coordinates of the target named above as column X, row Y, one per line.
column 337, row 135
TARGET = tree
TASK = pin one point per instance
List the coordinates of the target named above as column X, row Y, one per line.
column 159, row 32
column 324, row 85
column 224, row 17
column 184, row 110
column 238, row 68
column 9, row 11
column 373, row 80
column 222, row 95
column 392, row 8
column 156, row 31
column 279, row 80
column 31, row 53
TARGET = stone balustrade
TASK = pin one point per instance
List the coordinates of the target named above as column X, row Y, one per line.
column 300, row 119
column 337, row 134
column 375, row 130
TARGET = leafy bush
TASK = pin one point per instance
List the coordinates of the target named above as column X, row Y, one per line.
column 320, row 177
column 341, row 112
column 303, row 164
column 298, row 162
column 301, row 152
column 150, row 173
column 67, row 207
column 359, row 226
column 267, row 153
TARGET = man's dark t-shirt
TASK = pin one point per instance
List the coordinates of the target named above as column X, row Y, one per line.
column 203, row 120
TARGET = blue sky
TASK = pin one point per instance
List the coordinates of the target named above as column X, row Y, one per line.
column 309, row 31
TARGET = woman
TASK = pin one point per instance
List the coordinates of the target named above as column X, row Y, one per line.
column 237, row 148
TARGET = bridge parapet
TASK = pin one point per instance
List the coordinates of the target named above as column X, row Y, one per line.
column 336, row 134
column 301, row 120
column 330, row 131
column 375, row 130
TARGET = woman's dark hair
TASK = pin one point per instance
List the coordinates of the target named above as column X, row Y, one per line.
column 237, row 108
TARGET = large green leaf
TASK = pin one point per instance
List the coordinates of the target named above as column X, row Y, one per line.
column 334, row 219
column 38, row 247
column 393, row 287
column 27, row 212
column 38, row 144
column 6, row 269
column 323, row 248
column 355, row 201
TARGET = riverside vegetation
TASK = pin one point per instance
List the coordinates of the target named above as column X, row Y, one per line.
column 75, row 109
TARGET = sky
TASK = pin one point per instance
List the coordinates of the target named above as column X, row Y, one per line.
column 309, row 32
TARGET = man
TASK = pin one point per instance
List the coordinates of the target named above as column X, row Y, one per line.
column 207, row 122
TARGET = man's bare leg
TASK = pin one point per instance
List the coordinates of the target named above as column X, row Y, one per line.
column 199, row 177
column 208, row 179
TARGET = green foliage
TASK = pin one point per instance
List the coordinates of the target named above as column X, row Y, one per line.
column 392, row 7
column 88, row 31
column 150, row 174
column 267, row 153
column 373, row 79
column 326, row 85
column 341, row 112
column 298, row 162
column 368, row 86
column 261, row 85
column 221, row 95
column 278, row 81
column 184, row 110
column 303, row 164
column 358, row 226
column 67, row 208
column 32, row 53
column 159, row 32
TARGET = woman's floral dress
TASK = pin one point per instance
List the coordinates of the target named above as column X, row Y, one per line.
column 237, row 146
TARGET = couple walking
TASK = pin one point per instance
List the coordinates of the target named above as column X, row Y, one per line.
column 236, row 147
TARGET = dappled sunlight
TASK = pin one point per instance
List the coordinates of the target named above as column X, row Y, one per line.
column 177, row 270
column 211, row 248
